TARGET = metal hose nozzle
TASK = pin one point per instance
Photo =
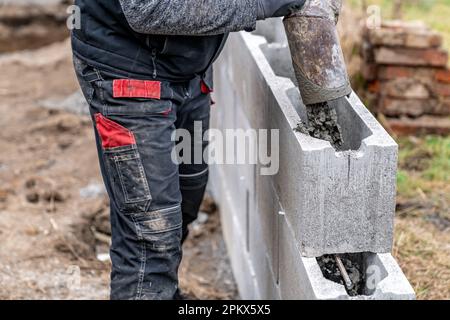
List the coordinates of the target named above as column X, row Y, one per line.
column 316, row 51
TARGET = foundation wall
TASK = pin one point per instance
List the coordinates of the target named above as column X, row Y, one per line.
column 320, row 201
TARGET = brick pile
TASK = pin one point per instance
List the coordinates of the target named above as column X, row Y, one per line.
column 405, row 69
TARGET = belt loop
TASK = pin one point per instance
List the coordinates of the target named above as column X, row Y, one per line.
column 93, row 76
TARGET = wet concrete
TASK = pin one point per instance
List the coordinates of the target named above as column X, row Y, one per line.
column 354, row 265
column 322, row 123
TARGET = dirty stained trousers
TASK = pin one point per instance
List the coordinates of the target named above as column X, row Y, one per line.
column 152, row 199
column 144, row 67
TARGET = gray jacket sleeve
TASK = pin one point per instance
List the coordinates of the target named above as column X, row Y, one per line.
column 190, row 17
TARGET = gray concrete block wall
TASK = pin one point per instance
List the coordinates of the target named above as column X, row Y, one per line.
column 321, row 201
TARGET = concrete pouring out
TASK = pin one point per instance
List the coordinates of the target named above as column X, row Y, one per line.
column 319, row 67
column 322, row 123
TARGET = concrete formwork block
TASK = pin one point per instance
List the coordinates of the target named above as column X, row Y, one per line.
column 337, row 201
column 334, row 201
column 302, row 278
column 273, row 32
column 263, row 239
column 254, row 261
column 386, row 281
column 265, row 217
column 235, row 239
column 342, row 201
column 265, row 274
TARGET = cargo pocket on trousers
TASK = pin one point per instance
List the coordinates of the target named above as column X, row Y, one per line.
column 160, row 229
column 128, row 97
column 128, row 181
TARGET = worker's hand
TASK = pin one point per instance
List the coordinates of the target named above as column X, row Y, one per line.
column 278, row 8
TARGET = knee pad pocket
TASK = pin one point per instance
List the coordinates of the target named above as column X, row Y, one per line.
column 160, row 229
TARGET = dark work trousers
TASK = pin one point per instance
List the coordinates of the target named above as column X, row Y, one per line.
column 153, row 198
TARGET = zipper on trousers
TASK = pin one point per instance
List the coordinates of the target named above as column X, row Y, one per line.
column 186, row 88
column 155, row 74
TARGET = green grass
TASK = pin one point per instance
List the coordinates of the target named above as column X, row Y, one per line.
column 435, row 13
column 423, row 164
column 408, row 185
column 439, row 168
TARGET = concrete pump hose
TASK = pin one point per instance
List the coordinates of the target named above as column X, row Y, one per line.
column 316, row 51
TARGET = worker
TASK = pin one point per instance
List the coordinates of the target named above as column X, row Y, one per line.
column 145, row 69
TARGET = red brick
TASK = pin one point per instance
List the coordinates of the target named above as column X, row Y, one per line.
column 411, row 57
column 393, row 72
column 406, row 107
column 442, row 89
column 422, row 125
column 443, row 75
column 369, row 71
column 442, row 108
column 374, row 86
column 424, row 40
column 416, row 25
column 401, row 37
column 435, row 57
column 396, row 72
column 405, row 88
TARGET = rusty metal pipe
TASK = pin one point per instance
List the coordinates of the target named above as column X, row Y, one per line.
column 316, row 51
column 344, row 274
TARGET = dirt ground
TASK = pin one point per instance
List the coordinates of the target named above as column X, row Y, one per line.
column 54, row 229
column 422, row 234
